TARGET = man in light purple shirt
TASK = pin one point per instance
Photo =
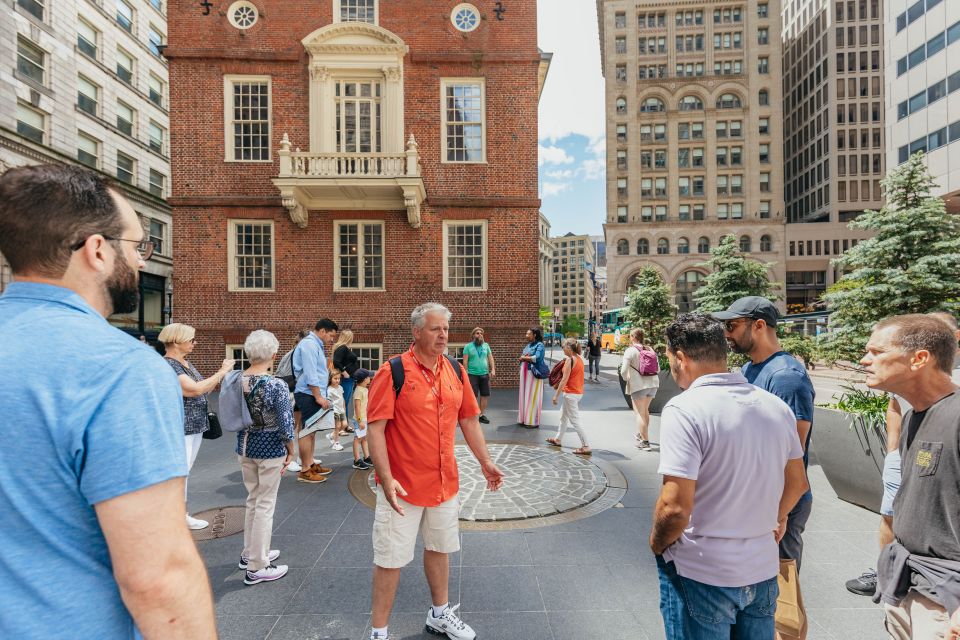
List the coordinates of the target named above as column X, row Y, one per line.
column 732, row 469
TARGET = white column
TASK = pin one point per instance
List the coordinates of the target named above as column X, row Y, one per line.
column 392, row 110
column 321, row 110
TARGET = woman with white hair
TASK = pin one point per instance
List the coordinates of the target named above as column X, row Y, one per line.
column 265, row 451
column 179, row 341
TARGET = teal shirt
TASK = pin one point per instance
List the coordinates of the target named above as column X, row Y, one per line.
column 477, row 363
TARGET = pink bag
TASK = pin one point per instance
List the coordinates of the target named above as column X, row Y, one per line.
column 649, row 364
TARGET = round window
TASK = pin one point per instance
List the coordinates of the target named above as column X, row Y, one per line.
column 465, row 17
column 243, row 15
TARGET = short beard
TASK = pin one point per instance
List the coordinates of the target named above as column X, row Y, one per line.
column 745, row 345
column 478, row 341
column 123, row 288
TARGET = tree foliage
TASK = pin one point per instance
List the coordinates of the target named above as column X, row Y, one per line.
column 732, row 276
column 910, row 265
column 573, row 326
column 546, row 319
column 650, row 305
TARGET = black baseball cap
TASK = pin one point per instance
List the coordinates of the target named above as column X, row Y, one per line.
column 755, row 307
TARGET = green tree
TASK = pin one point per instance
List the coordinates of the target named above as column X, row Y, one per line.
column 546, row 319
column 910, row 265
column 573, row 326
column 733, row 276
column 650, row 305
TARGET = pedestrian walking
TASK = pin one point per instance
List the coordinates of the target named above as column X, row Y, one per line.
column 595, row 352
column 310, row 394
column 178, row 342
column 361, row 451
column 416, row 401
column 285, row 373
column 750, row 326
column 347, row 362
column 265, row 450
column 721, row 439
column 94, row 545
column 918, row 573
column 478, row 360
column 335, row 395
column 533, row 370
column 571, row 385
column 640, row 368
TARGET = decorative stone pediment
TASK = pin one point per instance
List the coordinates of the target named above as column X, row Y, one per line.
column 354, row 38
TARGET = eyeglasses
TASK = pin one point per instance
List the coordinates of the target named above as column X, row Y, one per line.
column 730, row 325
column 144, row 247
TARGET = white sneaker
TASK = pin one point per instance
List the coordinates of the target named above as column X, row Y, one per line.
column 449, row 623
column 272, row 555
column 294, row 467
column 317, row 461
column 267, row 574
column 336, row 446
column 330, row 436
column 196, row 524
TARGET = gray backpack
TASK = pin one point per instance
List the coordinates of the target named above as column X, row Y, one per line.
column 234, row 408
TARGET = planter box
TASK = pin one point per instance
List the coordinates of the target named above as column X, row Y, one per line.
column 668, row 389
column 851, row 456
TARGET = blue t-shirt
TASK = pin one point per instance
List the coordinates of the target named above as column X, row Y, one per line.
column 785, row 377
column 103, row 415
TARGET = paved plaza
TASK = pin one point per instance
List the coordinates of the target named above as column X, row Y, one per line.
column 562, row 577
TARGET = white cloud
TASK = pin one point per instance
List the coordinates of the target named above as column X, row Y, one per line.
column 561, row 174
column 554, row 188
column 552, row 155
column 592, row 169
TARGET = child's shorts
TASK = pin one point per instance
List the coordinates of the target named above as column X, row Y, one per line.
column 357, row 431
column 339, row 416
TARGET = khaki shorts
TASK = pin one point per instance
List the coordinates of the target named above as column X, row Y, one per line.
column 395, row 536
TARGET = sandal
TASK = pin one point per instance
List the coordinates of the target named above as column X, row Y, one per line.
column 583, row 451
column 554, row 442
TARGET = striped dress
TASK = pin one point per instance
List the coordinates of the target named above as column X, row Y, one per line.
column 531, row 388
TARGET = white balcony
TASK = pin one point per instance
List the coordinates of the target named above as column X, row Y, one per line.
column 350, row 181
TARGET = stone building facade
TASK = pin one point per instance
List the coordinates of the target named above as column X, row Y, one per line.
column 545, row 264
column 352, row 159
column 574, row 282
column 85, row 83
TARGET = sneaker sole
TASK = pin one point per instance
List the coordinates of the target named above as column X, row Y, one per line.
column 440, row 632
column 249, row 582
column 323, row 479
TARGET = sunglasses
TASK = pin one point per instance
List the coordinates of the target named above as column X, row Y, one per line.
column 730, row 325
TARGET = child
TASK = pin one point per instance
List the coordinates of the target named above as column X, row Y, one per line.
column 335, row 396
column 362, row 379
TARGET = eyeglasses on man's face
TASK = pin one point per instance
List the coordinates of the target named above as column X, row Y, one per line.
column 144, row 247
column 730, row 325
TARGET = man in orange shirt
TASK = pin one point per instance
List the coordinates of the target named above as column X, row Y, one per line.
column 411, row 435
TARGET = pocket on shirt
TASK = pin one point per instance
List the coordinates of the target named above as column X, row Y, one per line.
column 926, row 457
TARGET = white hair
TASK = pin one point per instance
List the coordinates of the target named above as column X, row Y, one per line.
column 419, row 316
column 260, row 346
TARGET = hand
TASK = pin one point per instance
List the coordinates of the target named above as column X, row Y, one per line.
column 493, row 475
column 953, row 633
column 781, row 530
column 555, row 399
column 493, row 374
column 286, row 463
column 228, row 364
column 392, row 488
column 323, row 402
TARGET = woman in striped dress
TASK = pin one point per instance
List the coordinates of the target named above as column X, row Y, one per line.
column 531, row 388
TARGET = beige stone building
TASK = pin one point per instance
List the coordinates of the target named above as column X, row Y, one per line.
column 546, row 263
column 833, row 135
column 573, row 280
column 694, row 137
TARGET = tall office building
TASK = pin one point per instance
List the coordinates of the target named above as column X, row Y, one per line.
column 89, row 86
column 574, row 278
column 833, row 135
column 694, row 130
column 922, row 82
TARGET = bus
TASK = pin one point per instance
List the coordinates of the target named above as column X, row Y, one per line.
column 611, row 322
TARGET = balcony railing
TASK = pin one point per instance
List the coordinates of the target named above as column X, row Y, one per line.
column 347, row 164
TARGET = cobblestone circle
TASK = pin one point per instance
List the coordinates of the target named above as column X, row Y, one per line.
column 537, row 482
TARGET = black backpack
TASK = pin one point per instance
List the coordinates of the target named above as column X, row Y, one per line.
column 396, row 371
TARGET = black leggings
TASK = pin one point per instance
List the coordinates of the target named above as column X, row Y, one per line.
column 594, row 363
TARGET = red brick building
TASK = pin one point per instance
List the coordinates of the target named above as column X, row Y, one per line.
column 351, row 159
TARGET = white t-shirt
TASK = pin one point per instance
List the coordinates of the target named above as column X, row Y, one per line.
column 734, row 439
column 335, row 396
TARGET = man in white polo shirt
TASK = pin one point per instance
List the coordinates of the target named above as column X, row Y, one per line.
column 732, row 469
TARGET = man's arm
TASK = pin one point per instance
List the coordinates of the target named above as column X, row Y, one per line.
column 466, row 359
column 794, row 486
column 473, row 434
column 803, row 429
column 162, row 579
column 491, row 365
column 672, row 513
column 894, row 424
column 377, row 441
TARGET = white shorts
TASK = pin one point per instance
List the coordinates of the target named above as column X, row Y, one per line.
column 395, row 536
column 358, row 431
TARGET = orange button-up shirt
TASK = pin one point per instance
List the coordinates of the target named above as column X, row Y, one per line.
column 422, row 425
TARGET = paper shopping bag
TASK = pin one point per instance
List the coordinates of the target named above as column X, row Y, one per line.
column 791, row 617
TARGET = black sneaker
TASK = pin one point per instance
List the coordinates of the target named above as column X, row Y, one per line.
column 369, row 461
column 484, row 419
column 865, row 585
column 360, row 464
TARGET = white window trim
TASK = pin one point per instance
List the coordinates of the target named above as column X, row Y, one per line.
column 232, row 254
column 228, row 82
column 336, row 255
column 444, row 82
column 485, row 254
column 452, row 348
column 228, row 353
column 376, row 12
column 369, row 345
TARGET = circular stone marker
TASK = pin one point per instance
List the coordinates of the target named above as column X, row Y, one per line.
column 541, row 486
column 224, row 521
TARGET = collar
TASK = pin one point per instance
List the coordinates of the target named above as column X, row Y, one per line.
column 323, row 347
column 50, row 293
column 719, row 379
column 440, row 360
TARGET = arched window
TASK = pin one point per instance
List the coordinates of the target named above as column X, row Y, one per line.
column 729, row 101
column 683, row 245
column 691, row 103
column 623, row 248
column 746, row 245
column 621, row 105
column 687, row 284
column 643, row 247
column 766, row 244
column 663, row 246
column 764, row 97
column 651, row 105
column 703, row 245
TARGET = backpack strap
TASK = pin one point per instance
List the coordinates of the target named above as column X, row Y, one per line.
column 456, row 366
column 397, row 373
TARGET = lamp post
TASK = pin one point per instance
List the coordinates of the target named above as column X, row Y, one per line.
column 169, row 289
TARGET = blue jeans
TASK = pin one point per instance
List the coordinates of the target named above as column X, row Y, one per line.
column 347, row 384
column 692, row 610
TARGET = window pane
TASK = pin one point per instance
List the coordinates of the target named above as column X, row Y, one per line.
column 251, row 121
column 463, row 116
column 253, row 260
column 358, row 11
column 465, row 256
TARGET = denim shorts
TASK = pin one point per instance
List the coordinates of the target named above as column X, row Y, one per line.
column 891, row 482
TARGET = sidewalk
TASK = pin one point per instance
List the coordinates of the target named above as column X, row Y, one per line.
column 593, row 578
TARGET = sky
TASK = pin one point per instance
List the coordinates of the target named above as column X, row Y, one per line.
column 572, row 155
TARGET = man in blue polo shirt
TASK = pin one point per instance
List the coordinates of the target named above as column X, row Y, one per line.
column 94, row 543
column 750, row 326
